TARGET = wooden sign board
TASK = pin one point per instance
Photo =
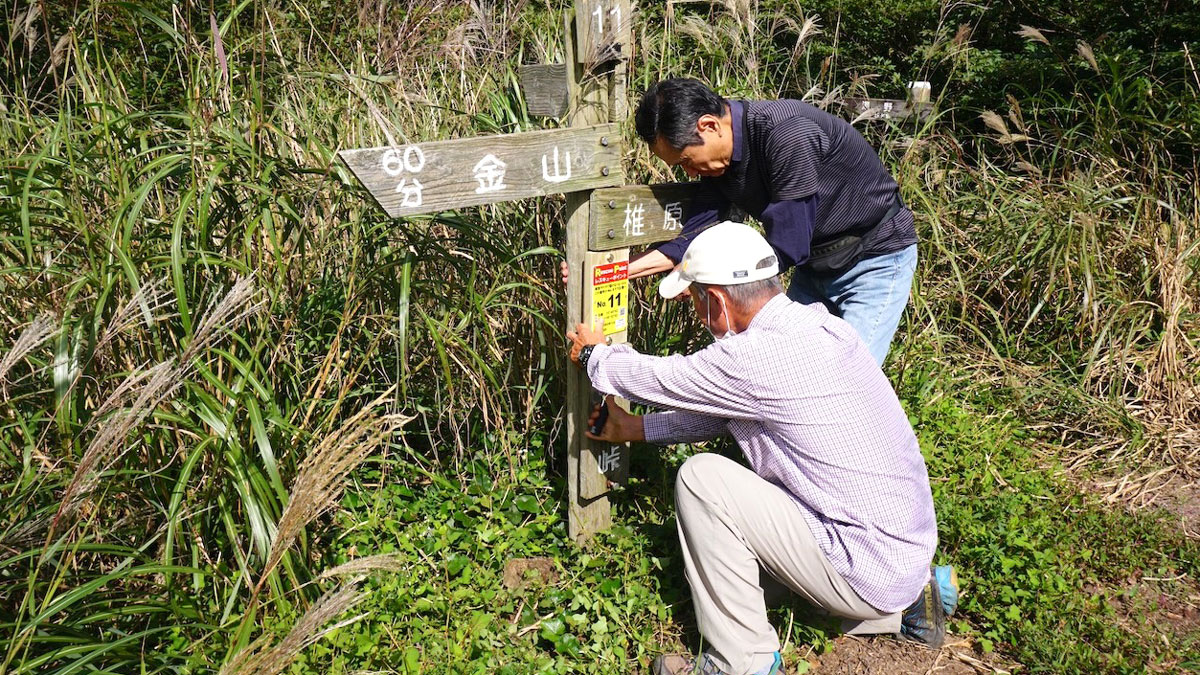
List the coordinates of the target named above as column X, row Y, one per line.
column 636, row 215
column 604, row 29
column 886, row 108
column 430, row 177
column 544, row 87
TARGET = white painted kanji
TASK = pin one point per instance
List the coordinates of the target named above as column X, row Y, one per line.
column 490, row 174
column 673, row 216
column 396, row 162
column 559, row 175
column 635, row 215
column 609, row 460
column 412, row 193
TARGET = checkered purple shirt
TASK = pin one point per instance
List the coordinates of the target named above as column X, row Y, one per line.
column 804, row 399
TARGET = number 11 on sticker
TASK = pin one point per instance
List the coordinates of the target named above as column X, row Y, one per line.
column 610, row 295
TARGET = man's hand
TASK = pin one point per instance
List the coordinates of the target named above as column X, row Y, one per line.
column 621, row 427
column 640, row 265
column 583, row 336
column 649, row 262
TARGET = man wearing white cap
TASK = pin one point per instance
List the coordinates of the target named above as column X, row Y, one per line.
column 836, row 502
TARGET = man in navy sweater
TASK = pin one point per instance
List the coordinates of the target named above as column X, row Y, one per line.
column 829, row 207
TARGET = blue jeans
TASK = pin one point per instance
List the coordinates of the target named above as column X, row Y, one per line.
column 869, row 296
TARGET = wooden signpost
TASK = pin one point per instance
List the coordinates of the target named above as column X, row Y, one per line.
column 545, row 87
column 582, row 161
column 599, row 32
column 604, row 217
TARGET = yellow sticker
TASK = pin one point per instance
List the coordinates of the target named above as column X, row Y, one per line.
column 610, row 295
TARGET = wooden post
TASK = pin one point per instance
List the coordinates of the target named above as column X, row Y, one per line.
column 597, row 42
column 440, row 175
column 587, row 103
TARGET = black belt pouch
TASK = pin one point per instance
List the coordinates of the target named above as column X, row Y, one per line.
column 841, row 254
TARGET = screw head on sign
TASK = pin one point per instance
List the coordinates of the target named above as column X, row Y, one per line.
column 612, row 234
column 604, row 141
column 604, row 171
column 612, row 203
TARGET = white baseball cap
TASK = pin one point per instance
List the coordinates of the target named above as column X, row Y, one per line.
column 725, row 254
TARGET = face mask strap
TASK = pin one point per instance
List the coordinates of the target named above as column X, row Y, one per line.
column 729, row 332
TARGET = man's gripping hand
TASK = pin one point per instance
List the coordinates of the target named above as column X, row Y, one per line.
column 583, row 336
column 621, row 426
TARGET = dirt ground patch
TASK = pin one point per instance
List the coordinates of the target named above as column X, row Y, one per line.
column 1171, row 491
column 1162, row 611
column 886, row 656
column 1183, row 503
column 525, row 572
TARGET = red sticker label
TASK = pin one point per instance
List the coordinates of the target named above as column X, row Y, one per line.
column 607, row 274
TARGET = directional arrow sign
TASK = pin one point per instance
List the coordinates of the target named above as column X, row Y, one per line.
column 887, row 108
column 636, row 215
column 431, row 177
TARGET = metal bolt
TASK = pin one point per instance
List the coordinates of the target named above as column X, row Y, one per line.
column 612, row 203
column 604, row 171
column 604, row 141
column 612, row 234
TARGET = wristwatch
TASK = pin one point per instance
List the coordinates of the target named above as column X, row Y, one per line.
column 585, row 354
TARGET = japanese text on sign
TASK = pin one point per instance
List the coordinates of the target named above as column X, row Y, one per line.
column 610, row 295
column 609, row 460
column 636, row 215
column 430, row 177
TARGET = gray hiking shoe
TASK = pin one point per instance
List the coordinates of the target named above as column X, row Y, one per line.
column 924, row 621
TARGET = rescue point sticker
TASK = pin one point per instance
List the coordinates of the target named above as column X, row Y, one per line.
column 610, row 295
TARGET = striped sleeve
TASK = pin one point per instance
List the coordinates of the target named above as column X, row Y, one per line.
column 677, row 426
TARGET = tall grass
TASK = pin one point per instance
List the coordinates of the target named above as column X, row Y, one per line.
column 207, row 324
column 1061, row 233
column 1063, row 239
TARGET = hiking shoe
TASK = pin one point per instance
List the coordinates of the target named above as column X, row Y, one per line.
column 925, row 620
column 686, row 664
column 947, row 581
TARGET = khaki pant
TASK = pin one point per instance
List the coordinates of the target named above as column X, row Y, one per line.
column 731, row 522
